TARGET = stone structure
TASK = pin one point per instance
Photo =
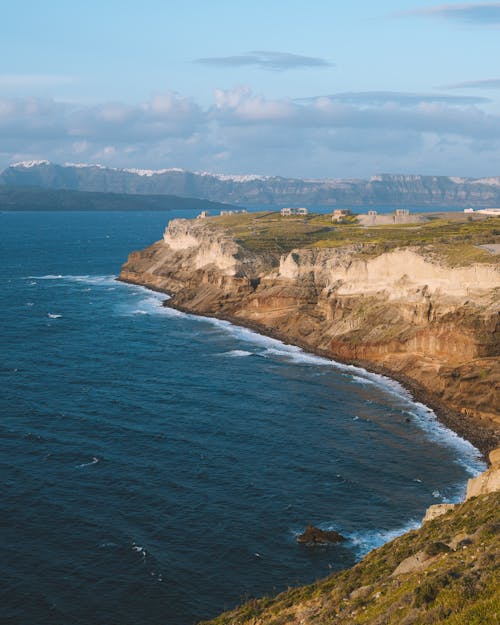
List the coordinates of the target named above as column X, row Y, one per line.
column 399, row 216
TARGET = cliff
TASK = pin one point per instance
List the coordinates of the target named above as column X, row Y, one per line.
column 406, row 312
column 385, row 189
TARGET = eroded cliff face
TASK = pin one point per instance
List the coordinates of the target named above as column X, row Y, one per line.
column 434, row 327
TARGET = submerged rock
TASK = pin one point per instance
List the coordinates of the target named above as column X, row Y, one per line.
column 315, row 536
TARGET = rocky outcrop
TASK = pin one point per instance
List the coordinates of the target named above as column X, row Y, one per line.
column 404, row 313
column 485, row 483
column 315, row 536
column 433, row 512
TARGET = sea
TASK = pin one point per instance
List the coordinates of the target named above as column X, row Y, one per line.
column 157, row 467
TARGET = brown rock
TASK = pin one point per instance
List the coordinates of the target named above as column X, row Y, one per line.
column 315, row 536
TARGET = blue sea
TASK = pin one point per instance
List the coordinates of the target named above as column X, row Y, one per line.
column 157, row 467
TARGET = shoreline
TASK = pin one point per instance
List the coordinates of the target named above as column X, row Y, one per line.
column 480, row 439
column 470, row 430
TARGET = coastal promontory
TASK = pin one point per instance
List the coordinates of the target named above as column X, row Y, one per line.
column 418, row 301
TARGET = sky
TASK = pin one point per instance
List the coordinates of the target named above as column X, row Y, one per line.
column 309, row 89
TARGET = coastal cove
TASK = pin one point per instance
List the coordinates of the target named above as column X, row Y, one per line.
column 148, row 452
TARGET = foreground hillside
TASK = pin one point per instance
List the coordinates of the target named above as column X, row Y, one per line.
column 385, row 189
column 419, row 302
column 447, row 572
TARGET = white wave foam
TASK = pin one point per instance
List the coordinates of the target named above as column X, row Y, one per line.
column 151, row 303
column 364, row 542
column 84, row 279
column 237, row 353
column 88, row 464
column 140, row 550
column 297, row 356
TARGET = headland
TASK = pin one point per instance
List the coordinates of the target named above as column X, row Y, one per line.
column 417, row 301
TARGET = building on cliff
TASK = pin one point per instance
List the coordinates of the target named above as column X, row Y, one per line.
column 285, row 212
column 495, row 212
column 340, row 213
column 399, row 216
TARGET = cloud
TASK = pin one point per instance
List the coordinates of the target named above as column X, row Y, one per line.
column 34, row 80
column 243, row 131
column 487, row 83
column 273, row 61
column 400, row 98
column 476, row 13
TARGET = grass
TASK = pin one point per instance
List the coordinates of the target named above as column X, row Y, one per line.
column 460, row 586
column 454, row 237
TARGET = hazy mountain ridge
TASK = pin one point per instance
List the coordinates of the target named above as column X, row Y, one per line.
column 15, row 198
column 380, row 189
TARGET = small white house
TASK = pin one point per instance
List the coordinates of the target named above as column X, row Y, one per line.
column 293, row 211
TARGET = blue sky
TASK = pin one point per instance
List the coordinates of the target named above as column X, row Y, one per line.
column 293, row 88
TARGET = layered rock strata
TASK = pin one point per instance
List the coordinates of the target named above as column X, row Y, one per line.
column 403, row 313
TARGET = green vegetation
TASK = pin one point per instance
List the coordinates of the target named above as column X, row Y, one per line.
column 458, row 585
column 452, row 236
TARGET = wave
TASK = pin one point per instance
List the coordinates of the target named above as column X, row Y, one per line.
column 237, row 353
column 140, row 550
column 365, row 541
column 84, row 279
column 88, row 464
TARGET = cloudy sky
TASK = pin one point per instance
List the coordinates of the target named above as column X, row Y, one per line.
column 296, row 88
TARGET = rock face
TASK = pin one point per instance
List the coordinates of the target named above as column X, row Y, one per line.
column 388, row 189
column 487, row 482
column 315, row 536
column 433, row 512
column 436, row 328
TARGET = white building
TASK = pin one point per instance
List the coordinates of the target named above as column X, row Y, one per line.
column 293, row 211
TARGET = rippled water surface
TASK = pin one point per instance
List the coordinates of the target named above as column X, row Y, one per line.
column 156, row 467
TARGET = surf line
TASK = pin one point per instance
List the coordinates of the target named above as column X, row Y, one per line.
column 426, row 419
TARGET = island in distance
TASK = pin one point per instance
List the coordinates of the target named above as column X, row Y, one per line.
column 380, row 189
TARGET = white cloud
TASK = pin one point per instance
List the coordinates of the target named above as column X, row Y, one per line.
column 264, row 59
column 244, row 131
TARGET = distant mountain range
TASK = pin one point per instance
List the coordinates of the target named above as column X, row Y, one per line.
column 14, row 198
column 384, row 189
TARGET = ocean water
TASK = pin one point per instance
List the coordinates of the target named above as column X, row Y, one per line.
column 156, row 467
